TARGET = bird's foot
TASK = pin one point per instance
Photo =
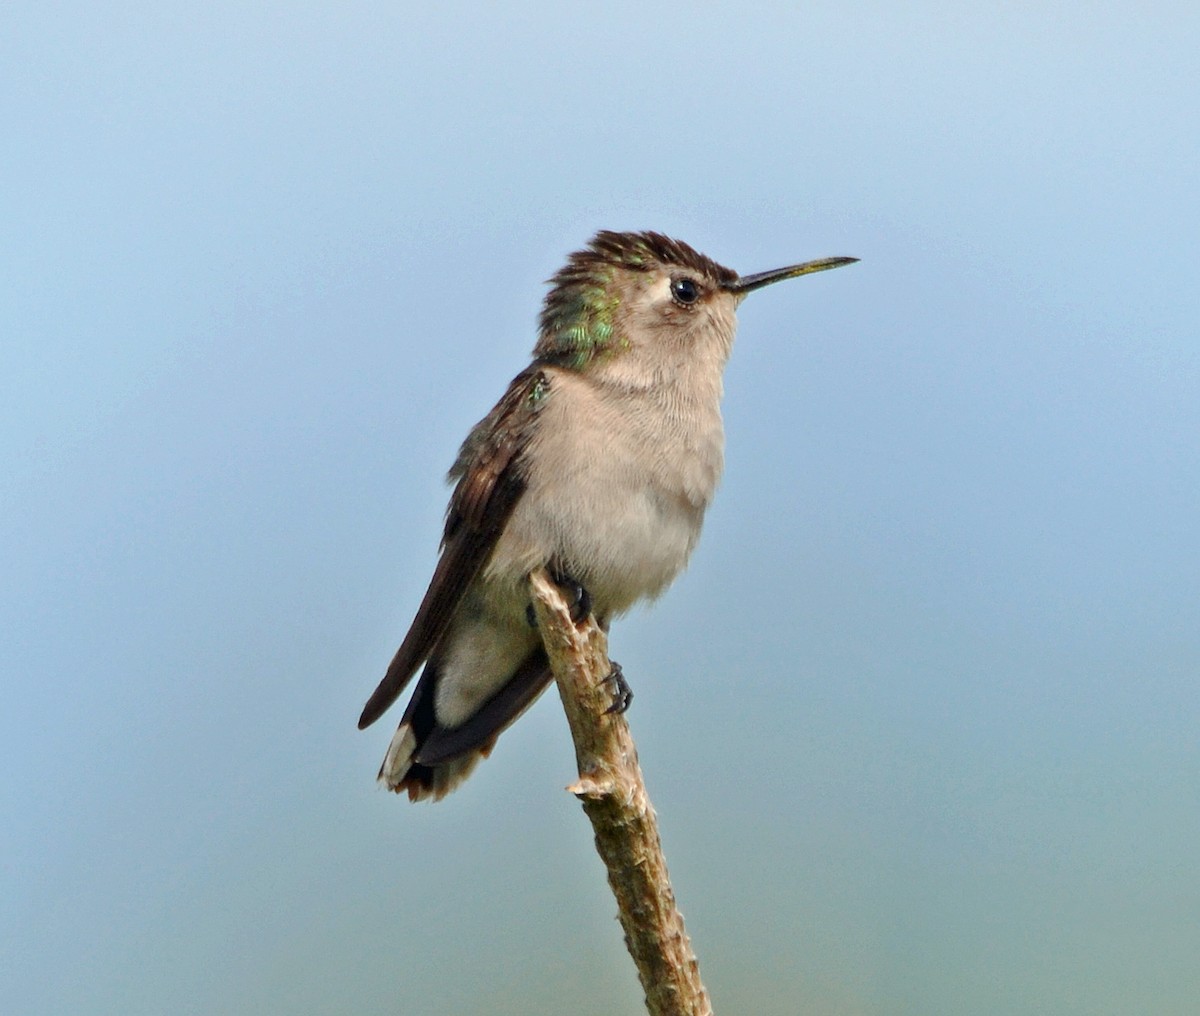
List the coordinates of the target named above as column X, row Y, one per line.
column 578, row 598
column 622, row 694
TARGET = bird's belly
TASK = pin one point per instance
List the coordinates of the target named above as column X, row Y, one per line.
column 634, row 546
column 619, row 521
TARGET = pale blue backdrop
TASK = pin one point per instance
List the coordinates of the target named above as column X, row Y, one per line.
column 921, row 720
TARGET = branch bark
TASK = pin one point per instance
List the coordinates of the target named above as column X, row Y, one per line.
column 614, row 798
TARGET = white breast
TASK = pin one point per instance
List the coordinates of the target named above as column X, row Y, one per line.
column 617, row 488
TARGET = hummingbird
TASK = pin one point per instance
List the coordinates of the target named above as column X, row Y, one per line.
column 598, row 464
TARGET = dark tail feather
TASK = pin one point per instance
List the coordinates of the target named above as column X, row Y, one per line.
column 427, row 760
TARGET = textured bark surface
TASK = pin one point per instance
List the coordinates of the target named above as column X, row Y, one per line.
column 614, row 798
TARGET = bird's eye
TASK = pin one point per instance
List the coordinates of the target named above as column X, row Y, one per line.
column 685, row 290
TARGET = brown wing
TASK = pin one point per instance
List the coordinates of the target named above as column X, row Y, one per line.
column 490, row 481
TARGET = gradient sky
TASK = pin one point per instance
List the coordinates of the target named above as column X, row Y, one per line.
column 921, row 719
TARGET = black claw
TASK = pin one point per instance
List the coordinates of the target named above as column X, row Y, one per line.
column 622, row 693
column 583, row 606
column 581, row 599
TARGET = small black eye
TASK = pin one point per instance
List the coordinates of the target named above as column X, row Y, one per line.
column 685, row 290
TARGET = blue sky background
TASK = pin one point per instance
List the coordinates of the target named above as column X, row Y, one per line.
column 921, row 718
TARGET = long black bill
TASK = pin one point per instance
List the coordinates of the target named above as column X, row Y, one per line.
column 749, row 283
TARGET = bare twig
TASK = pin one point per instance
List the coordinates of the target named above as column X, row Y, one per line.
column 614, row 798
